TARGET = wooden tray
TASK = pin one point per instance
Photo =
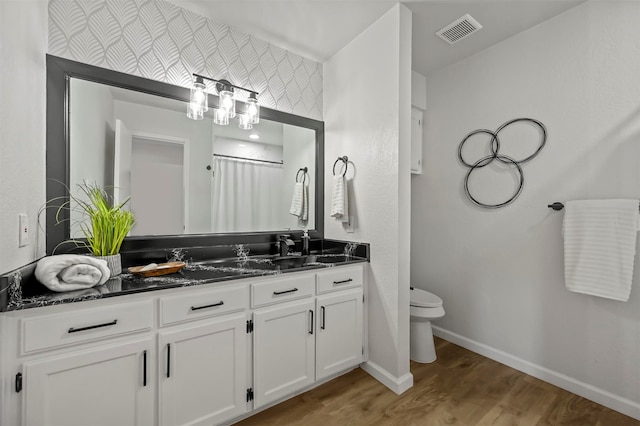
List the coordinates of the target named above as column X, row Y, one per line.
column 161, row 269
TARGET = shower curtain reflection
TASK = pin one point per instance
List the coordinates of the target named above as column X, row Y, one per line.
column 240, row 202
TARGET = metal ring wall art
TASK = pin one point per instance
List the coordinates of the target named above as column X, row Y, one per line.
column 495, row 155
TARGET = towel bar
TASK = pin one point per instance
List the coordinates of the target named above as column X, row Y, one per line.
column 556, row 206
column 559, row 206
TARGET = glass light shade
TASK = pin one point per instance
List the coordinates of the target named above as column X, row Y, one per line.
column 220, row 116
column 228, row 103
column 253, row 109
column 244, row 122
column 199, row 95
column 195, row 111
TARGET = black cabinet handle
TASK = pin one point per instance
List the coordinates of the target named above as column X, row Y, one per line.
column 323, row 315
column 144, row 368
column 18, row 382
column 106, row 324
column 195, row 308
column 311, row 329
column 168, row 360
column 343, row 281
column 293, row 290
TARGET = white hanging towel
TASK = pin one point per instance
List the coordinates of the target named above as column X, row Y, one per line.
column 340, row 199
column 600, row 247
column 297, row 200
column 304, row 215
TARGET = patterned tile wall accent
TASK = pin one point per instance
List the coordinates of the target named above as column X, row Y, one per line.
column 161, row 41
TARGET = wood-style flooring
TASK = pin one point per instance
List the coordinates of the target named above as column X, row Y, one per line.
column 459, row 388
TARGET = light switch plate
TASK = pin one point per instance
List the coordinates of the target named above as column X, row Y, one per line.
column 23, row 230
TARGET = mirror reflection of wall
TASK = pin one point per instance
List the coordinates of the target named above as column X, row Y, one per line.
column 179, row 172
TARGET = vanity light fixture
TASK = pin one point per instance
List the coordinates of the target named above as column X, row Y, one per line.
column 253, row 108
column 220, row 116
column 226, row 109
column 244, row 122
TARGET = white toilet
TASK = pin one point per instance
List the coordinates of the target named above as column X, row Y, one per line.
column 424, row 307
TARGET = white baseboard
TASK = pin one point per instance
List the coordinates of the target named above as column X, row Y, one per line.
column 585, row 390
column 396, row 384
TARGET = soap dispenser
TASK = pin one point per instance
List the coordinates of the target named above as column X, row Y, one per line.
column 305, row 243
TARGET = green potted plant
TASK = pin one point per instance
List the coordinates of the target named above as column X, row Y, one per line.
column 105, row 225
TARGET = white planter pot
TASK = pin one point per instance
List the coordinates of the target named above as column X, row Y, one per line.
column 113, row 262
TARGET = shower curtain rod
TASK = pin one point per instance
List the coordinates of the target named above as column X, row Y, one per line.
column 249, row 159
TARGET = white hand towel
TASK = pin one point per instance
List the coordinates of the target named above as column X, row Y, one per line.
column 67, row 272
column 600, row 246
column 304, row 214
column 340, row 199
column 297, row 200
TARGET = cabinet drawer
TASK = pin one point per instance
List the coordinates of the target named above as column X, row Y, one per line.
column 56, row 330
column 340, row 279
column 202, row 304
column 282, row 290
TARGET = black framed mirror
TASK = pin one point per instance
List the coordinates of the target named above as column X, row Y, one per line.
column 62, row 74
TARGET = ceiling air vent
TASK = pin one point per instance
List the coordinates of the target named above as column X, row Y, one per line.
column 459, row 29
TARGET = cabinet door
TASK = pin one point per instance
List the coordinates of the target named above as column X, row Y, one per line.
column 340, row 331
column 416, row 141
column 284, row 344
column 110, row 385
column 203, row 372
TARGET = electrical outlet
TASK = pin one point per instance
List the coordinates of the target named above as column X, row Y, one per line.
column 23, row 230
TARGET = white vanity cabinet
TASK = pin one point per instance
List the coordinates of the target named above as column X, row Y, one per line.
column 340, row 325
column 283, row 333
column 82, row 367
column 202, row 355
column 203, row 367
column 109, row 385
column 299, row 343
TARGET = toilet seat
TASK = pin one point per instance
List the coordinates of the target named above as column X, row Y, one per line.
column 423, row 299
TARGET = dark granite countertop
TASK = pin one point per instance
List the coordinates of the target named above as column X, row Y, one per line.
column 20, row 290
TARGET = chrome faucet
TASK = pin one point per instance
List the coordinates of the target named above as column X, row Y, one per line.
column 284, row 242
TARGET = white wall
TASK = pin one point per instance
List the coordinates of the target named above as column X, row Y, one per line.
column 418, row 90
column 299, row 150
column 252, row 150
column 91, row 146
column 23, row 43
column 92, row 131
column 368, row 121
column 500, row 272
column 161, row 122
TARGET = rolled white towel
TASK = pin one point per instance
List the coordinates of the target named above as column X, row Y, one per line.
column 67, row 272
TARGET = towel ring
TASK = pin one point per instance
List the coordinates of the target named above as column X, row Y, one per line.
column 304, row 175
column 345, row 160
